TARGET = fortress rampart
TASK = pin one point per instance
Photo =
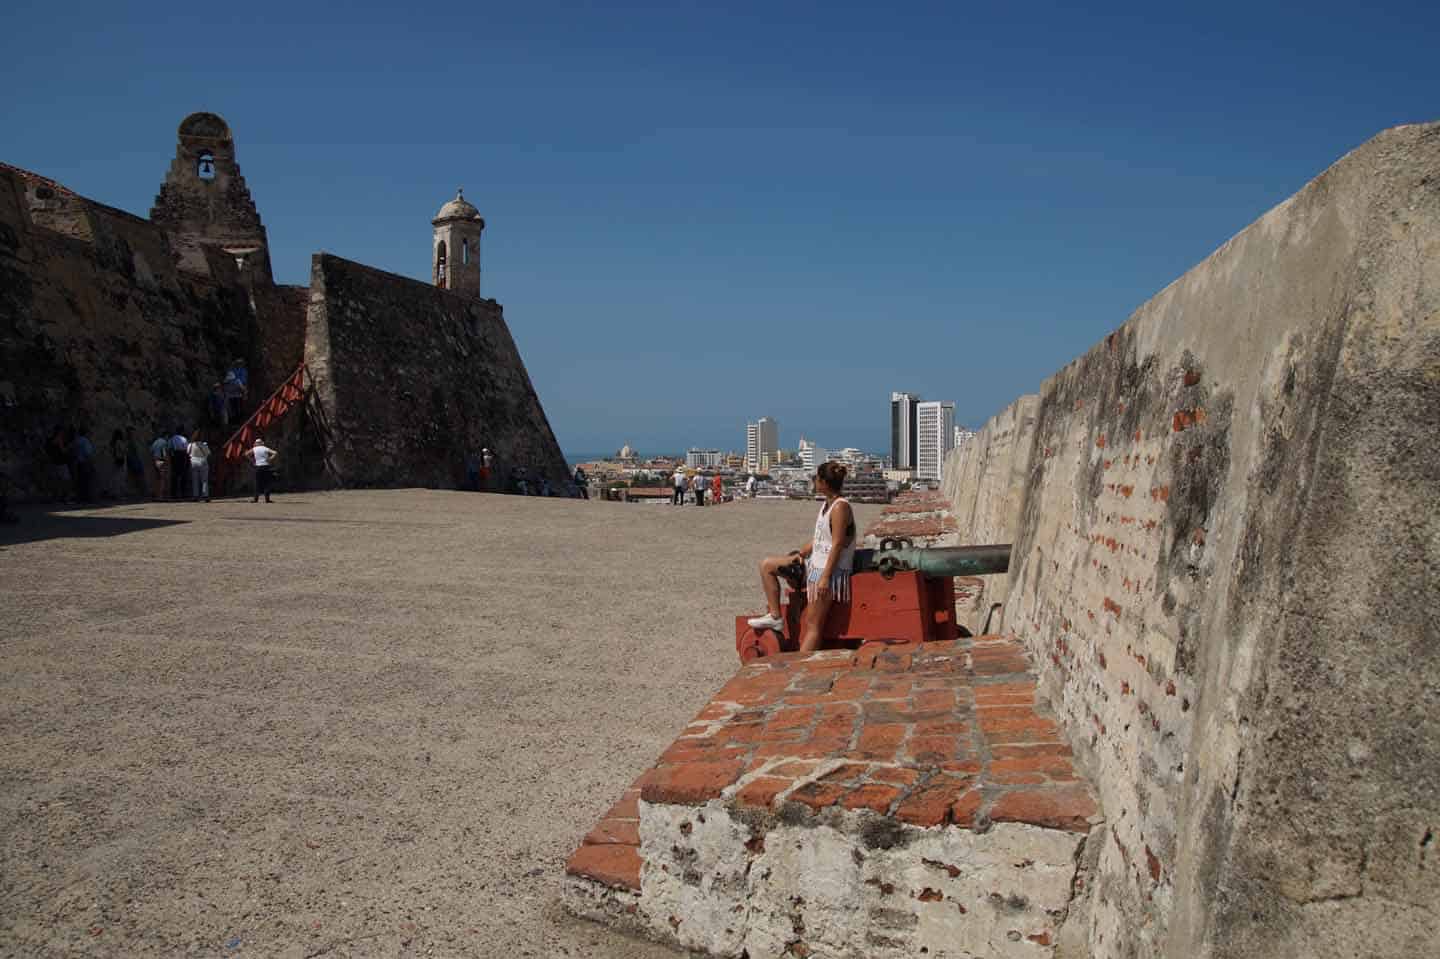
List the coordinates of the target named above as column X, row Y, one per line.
column 109, row 320
column 1227, row 570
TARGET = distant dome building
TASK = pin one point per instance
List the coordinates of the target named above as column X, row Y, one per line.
column 627, row 454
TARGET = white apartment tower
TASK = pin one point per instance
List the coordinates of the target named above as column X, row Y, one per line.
column 762, row 444
column 934, row 437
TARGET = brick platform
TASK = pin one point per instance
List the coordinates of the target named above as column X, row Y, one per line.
column 867, row 803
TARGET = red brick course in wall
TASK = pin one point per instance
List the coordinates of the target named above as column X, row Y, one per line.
column 934, row 734
column 917, row 502
column 922, row 517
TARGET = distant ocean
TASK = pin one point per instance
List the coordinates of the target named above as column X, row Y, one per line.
column 573, row 458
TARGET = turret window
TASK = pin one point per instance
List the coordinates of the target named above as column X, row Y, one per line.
column 440, row 264
column 205, row 166
column 465, row 252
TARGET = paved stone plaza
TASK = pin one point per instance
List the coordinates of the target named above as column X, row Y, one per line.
column 346, row 724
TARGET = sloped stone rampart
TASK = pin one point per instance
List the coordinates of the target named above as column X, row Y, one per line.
column 1225, row 568
column 413, row 377
column 895, row 801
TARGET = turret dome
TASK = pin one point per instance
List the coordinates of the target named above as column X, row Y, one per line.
column 458, row 209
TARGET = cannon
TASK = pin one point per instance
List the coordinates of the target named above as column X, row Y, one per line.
column 897, row 592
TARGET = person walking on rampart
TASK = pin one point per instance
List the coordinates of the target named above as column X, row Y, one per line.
column 237, row 383
column 829, row 560
column 679, row 498
column 264, row 459
column 487, row 466
column 199, row 453
column 179, row 463
column 160, row 457
column 582, row 482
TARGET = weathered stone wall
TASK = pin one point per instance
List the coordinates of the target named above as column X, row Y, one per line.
column 1226, row 568
column 98, row 327
column 412, row 376
column 984, row 484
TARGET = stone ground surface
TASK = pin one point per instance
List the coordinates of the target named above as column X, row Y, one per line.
column 368, row 723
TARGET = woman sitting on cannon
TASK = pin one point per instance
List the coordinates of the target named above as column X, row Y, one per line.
column 826, row 562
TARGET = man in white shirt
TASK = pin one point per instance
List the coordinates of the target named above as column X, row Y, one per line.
column 679, row 499
column 698, row 485
column 264, row 458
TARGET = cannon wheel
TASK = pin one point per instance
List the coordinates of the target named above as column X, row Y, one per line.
column 755, row 645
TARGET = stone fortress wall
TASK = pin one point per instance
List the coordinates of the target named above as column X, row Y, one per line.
column 110, row 320
column 99, row 326
column 416, row 374
column 1227, row 570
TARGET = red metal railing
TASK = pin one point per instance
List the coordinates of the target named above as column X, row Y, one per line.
column 232, row 454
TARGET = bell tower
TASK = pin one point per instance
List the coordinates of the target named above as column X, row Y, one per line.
column 204, row 202
column 455, row 259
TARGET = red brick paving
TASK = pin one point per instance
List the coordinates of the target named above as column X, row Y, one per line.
column 932, row 735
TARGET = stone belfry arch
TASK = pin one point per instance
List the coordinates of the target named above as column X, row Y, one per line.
column 204, row 202
column 455, row 257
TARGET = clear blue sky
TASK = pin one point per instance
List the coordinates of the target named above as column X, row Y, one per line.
column 702, row 213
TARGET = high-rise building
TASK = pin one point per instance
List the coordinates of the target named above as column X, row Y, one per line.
column 903, row 427
column 935, row 434
column 762, row 439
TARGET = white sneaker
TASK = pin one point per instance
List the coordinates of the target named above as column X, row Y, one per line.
column 767, row 622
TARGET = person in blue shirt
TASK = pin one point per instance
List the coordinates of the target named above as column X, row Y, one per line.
column 82, row 458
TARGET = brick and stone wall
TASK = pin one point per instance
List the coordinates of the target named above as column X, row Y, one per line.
column 1226, row 570
column 412, row 375
column 99, row 328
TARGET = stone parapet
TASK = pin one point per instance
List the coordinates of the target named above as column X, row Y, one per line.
column 889, row 801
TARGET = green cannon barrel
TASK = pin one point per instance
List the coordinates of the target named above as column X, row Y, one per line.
column 935, row 560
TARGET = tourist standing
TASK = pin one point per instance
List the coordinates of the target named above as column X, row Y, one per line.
column 160, row 456
column 750, row 487
column 472, row 471
column 199, row 452
column 582, row 482
column 82, row 454
column 219, row 407
column 134, row 465
column 487, row 465
column 698, row 485
column 264, row 459
column 179, row 463
column 116, row 485
column 679, row 498
column 57, row 464
column 717, row 489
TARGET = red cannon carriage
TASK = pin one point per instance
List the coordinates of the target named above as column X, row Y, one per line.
column 896, row 592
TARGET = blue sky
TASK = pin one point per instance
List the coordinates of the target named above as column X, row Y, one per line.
column 697, row 216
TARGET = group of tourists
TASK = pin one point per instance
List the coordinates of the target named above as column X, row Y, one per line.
column 693, row 488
